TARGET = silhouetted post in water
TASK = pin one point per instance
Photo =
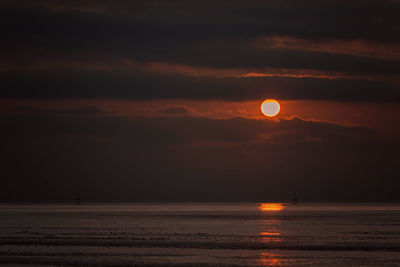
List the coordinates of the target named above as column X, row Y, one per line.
column 78, row 199
column 295, row 199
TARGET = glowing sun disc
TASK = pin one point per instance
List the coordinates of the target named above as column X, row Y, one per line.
column 270, row 107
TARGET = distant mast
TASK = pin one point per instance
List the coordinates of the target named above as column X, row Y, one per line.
column 78, row 199
column 295, row 199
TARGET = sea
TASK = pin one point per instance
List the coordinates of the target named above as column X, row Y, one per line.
column 201, row 234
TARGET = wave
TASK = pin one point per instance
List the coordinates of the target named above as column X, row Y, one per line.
column 101, row 242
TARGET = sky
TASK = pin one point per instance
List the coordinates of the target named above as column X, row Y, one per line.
column 160, row 100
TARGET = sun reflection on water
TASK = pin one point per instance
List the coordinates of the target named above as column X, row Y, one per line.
column 270, row 236
column 271, row 239
column 271, row 206
column 270, row 232
column 270, row 259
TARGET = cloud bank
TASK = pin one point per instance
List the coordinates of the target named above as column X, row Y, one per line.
column 48, row 156
column 230, row 50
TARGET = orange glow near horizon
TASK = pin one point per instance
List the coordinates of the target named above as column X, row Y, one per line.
column 350, row 114
column 270, row 107
column 271, row 206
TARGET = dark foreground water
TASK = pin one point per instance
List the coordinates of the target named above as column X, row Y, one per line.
column 201, row 235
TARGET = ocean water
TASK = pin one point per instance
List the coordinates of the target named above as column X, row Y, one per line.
column 201, row 234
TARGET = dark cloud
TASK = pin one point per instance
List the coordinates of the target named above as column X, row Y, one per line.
column 52, row 112
column 335, row 18
column 217, row 35
column 175, row 110
column 109, row 158
column 142, row 85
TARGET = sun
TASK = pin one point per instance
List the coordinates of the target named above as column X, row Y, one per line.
column 270, row 107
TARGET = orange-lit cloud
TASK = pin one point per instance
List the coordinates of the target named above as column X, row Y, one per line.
column 167, row 68
column 382, row 116
column 218, row 151
column 355, row 47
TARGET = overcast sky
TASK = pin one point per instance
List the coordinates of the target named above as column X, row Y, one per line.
column 160, row 100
